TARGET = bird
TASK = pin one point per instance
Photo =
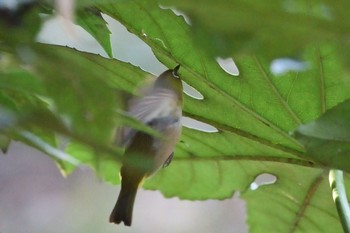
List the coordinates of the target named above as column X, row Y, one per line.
column 159, row 106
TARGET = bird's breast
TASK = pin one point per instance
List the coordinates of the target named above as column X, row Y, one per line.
column 165, row 145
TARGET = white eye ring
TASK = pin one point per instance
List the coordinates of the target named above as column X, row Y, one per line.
column 175, row 75
column 175, row 70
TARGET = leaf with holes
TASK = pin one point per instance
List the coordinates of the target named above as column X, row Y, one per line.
column 248, row 118
column 253, row 114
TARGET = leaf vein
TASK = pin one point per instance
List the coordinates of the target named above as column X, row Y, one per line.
column 309, row 195
column 295, row 118
column 261, row 158
column 245, row 135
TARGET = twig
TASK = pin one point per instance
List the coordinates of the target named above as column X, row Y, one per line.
column 336, row 182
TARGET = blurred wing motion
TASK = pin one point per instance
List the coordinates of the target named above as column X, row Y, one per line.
column 156, row 104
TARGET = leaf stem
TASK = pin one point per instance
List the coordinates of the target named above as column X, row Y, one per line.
column 336, row 182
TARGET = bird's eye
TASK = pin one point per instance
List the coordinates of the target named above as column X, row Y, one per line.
column 175, row 71
column 175, row 74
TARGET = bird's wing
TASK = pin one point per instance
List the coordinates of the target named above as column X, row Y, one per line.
column 157, row 103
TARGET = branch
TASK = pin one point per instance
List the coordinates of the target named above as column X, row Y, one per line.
column 336, row 182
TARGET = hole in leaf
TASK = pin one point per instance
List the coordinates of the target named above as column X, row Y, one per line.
column 283, row 65
column 198, row 125
column 128, row 47
column 178, row 13
column 263, row 179
column 192, row 92
column 228, row 65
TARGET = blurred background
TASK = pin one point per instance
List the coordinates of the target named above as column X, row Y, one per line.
column 35, row 197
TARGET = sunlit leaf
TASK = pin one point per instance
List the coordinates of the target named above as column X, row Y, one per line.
column 254, row 113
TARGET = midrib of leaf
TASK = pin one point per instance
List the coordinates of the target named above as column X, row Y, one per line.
column 245, row 134
column 263, row 158
column 309, row 195
column 276, row 92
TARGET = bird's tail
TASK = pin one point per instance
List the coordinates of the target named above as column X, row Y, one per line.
column 122, row 211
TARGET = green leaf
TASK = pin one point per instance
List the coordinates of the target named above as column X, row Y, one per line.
column 20, row 81
column 255, row 108
column 75, row 101
column 85, row 99
column 92, row 21
column 43, row 142
column 85, row 105
column 105, row 166
column 327, row 139
column 271, row 29
column 300, row 201
column 254, row 114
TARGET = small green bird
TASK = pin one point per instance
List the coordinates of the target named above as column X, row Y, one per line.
column 160, row 107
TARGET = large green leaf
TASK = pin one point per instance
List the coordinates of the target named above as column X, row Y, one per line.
column 254, row 113
column 88, row 105
column 78, row 93
column 256, row 106
column 62, row 91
